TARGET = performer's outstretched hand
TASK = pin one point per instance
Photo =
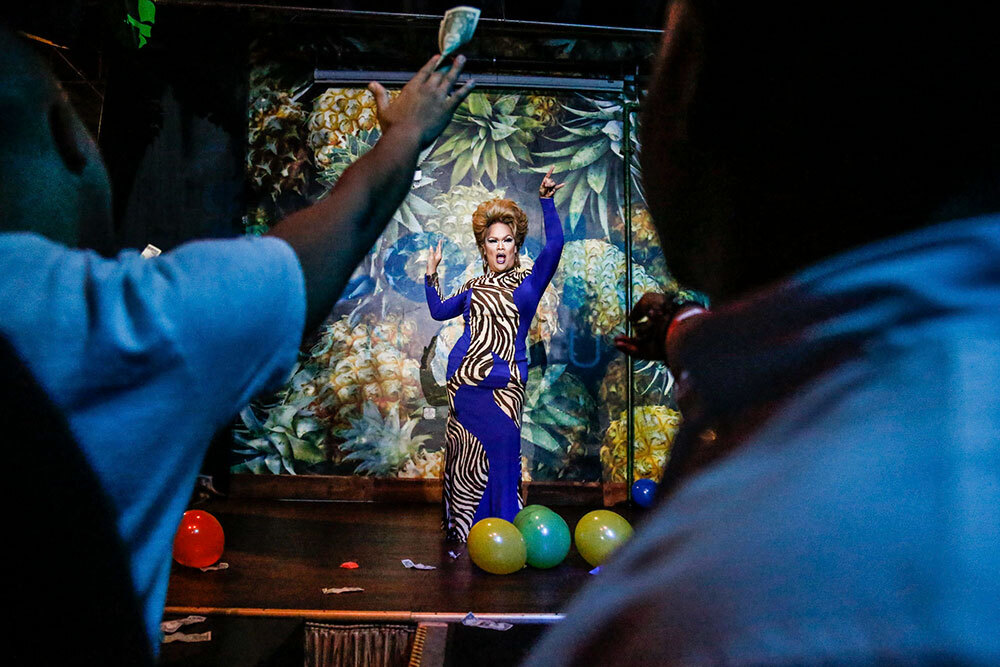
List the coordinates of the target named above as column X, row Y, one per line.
column 548, row 186
column 650, row 319
column 426, row 102
column 434, row 258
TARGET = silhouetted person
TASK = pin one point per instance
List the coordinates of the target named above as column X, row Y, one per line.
column 146, row 359
column 830, row 176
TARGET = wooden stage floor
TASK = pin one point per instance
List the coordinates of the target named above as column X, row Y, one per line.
column 281, row 554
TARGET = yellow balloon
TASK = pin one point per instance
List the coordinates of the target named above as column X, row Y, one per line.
column 497, row 546
column 599, row 533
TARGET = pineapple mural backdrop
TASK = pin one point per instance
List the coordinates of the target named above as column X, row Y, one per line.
column 367, row 396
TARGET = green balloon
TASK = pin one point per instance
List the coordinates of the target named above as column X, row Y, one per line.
column 546, row 537
column 599, row 533
column 497, row 546
column 529, row 511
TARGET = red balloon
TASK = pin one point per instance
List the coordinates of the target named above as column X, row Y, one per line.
column 199, row 540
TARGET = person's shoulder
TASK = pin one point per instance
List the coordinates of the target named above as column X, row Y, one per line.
column 14, row 245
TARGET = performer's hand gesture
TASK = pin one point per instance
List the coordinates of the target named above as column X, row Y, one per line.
column 548, row 186
column 434, row 258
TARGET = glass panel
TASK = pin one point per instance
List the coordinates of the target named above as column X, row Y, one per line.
column 655, row 412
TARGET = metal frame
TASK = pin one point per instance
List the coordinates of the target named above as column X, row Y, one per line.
column 627, row 108
column 359, row 616
column 482, row 80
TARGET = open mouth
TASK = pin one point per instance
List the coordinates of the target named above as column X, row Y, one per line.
column 501, row 258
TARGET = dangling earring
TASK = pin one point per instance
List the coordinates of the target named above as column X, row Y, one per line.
column 486, row 266
column 517, row 257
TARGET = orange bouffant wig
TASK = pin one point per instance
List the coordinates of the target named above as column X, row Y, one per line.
column 500, row 210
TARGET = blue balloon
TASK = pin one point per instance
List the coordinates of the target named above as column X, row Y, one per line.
column 644, row 492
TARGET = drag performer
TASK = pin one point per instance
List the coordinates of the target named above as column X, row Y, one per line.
column 488, row 367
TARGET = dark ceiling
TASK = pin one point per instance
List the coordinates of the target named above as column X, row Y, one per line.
column 573, row 37
column 632, row 14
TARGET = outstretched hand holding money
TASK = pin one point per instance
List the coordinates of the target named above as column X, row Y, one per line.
column 426, row 102
column 331, row 236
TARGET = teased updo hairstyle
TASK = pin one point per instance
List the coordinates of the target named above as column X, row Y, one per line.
column 500, row 210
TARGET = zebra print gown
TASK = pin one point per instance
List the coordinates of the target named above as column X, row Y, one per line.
column 487, row 370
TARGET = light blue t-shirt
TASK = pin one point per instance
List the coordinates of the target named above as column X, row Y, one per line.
column 857, row 520
column 148, row 358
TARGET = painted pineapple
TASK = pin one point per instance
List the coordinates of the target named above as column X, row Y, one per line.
column 655, row 429
column 278, row 156
column 556, row 422
column 454, row 219
column 651, row 386
column 382, row 446
column 593, row 273
column 543, row 108
column 337, row 114
column 365, row 364
column 645, row 240
column 488, row 137
column 426, row 465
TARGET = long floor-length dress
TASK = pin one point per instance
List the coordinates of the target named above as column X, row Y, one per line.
column 487, row 370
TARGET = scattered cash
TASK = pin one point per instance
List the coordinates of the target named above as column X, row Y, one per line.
column 457, row 27
column 338, row 591
column 416, row 566
column 188, row 639
column 471, row 620
column 174, row 626
column 217, row 566
column 150, row 251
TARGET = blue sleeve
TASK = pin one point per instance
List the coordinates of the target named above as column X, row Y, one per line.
column 227, row 314
column 147, row 359
column 442, row 310
column 548, row 260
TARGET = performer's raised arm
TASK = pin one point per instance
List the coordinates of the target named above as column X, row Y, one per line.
column 548, row 259
column 448, row 308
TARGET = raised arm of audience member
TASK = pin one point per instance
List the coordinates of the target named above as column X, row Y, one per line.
column 332, row 236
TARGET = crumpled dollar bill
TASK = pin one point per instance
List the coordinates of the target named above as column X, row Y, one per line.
column 457, row 27
column 188, row 638
column 338, row 591
column 175, row 625
column 170, row 628
column 416, row 566
column 471, row 620
column 212, row 568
